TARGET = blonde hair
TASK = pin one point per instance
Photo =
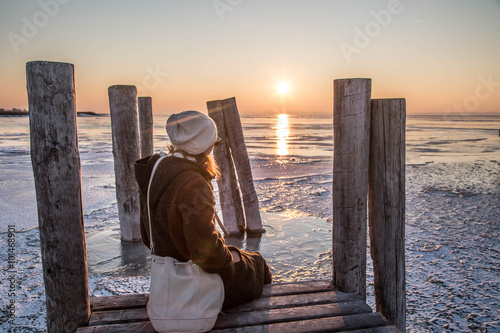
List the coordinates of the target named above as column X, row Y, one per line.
column 210, row 165
column 205, row 160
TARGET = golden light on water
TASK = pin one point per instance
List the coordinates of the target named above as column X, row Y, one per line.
column 282, row 133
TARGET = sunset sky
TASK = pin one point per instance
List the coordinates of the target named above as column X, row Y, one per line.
column 274, row 56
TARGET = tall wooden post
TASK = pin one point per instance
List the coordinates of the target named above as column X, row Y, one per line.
column 126, row 150
column 146, row 126
column 386, row 200
column 57, row 173
column 234, row 132
column 351, row 124
column 230, row 199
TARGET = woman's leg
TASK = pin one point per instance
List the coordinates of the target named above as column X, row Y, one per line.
column 252, row 273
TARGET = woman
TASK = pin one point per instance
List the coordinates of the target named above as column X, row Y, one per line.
column 182, row 209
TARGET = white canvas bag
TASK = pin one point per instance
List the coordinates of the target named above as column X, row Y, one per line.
column 182, row 296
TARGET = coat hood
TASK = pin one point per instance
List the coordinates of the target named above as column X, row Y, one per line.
column 168, row 169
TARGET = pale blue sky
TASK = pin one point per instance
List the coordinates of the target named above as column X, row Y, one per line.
column 440, row 55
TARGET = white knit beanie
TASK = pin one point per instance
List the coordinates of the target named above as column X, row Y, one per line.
column 191, row 131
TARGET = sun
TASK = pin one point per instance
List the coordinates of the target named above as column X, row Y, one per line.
column 283, row 87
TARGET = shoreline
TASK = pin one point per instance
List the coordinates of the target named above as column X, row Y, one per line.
column 10, row 113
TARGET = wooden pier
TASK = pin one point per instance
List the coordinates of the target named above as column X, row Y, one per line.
column 369, row 145
column 312, row 306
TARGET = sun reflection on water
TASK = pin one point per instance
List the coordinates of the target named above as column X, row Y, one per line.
column 282, row 132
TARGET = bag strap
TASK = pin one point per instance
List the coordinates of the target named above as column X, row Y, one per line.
column 151, row 243
column 162, row 156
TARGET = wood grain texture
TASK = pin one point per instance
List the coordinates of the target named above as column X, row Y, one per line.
column 303, row 307
column 330, row 324
column 57, row 174
column 118, row 316
column 105, row 303
column 326, row 324
column 236, row 140
column 387, row 207
column 137, row 327
column 290, row 307
column 146, row 125
column 295, row 313
column 278, row 302
column 229, row 193
column 351, row 123
column 126, row 150
column 296, row 288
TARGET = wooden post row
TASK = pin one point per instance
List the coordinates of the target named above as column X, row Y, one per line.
column 146, row 125
column 229, row 194
column 351, row 124
column 386, row 200
column 126, row 150
column 236, row 142
column 57, row 173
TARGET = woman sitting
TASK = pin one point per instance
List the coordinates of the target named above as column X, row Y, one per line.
column 183, row 214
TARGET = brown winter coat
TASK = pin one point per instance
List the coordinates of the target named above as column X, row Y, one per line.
column 182, row 213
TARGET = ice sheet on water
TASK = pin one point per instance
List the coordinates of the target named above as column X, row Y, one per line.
column 452, row 215
column 453, row 227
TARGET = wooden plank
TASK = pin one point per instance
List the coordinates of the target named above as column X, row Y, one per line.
column 311, row 308
column 351, row 127
column 263, row 317
column 261, row 304
column 138, row 327
column 118, row 316
column 146, row 327
column 329, row 324
column 380, row 329
column 57, row 176
column 302, row 287
column 240, row 319
column 277, row 302
column 386, row 198
column 99, row 303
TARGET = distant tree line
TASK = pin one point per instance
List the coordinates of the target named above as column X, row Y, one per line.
column 13, row 112
column 24, row 112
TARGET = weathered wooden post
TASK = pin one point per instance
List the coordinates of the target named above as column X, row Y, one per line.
column 146, row 125
column 230, row 199
column 234, row 133
column 386, row 200
column 351, row 124
column 57, row 173
column 126, row 150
